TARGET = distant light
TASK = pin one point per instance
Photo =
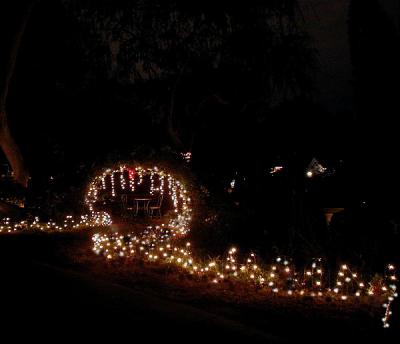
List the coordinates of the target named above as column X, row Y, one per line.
column 187, row 156
column 315, row 168
column 275, row 169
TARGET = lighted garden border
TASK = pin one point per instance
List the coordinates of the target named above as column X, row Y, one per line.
column 71, row 222
column 158, row 245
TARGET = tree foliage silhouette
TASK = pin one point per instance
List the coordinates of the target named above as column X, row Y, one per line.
column 251, row 56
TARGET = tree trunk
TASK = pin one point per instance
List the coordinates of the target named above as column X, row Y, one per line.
column 12, row 152
column 172, row 131
column 7, row 142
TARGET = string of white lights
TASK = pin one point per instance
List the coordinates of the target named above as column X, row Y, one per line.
column 280, row 278
column 94, row 219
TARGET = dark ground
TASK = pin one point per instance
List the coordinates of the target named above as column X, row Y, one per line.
column 43, row 290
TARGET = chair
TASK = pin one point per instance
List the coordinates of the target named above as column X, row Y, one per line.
column 155, row 207
column 125, row 208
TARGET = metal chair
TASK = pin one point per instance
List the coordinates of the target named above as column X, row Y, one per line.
column 126, row 210
column 156, row 206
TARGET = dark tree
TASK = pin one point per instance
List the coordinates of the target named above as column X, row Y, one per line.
column 375, row 51
column 15, row 24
